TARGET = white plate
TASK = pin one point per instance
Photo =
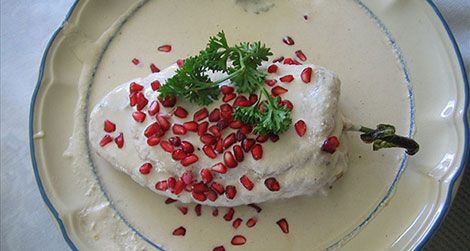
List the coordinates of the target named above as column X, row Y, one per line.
column 383, row 202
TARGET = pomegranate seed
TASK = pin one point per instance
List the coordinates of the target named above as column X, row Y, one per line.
column 187, row 146
column 180, row 112
column 142, row 101
column 181, row 231
column 208, row 139
column 274, row 137
column 283, row 225
column 201, row 114
column 287, row 79
column 187, row 177
column 169, row 201
column 109, row 126
column 163, row 121
column 246, row 129
column 238, row 152
column 227, row 108
column 180, row 63
column 179, row 186
column 198, row 210
column 251, row 222
column 330, row 144
column 229, row 97
column 279, row 59
column 211, row 195
column 287, row 103
column 167, row 146
column 272, row 68
column 154, row 108
column 152, row 129
column 132, row 99
column 238, row 240
column 154, row 68
column 236, row 223
column 291, row 61
column 230, row 192
column 190, row 126
column 153, row 141
column 171, row 182
column 198, row 196
column 145, row 168
column 134, row 87
column 190, row 159
column 202, row 128
column 214, row 116
column 247, row 144
column 219, row 168
column 300, row 128
column 179, row 129
column 135, row 61
column 247, row 183
column 155, row 85
column 209, row 151
column 257, row 151
column 253, row 98
column 230, row 140
column 106, row 140
column 119, row 140
column 262, row 138
column 240, row 136
column 175, row 140
column 178, row 154
column 241, row 101
column 215, row 131
column 167, row 101
column 219, row 248
column 215, row 212
column 270, row 82
column 219, row 188
column 222, row 124
column 183, row 210
column 139, row 116
column 236, row 124
column 164, row 48
column 277, row 90
column 256, row 207
column 300, row 54
column 229, row 160
column 306, row 75
column 161, row 185
column 206, row 175
column 272, row 184
column 229, row 215
column 226, row 89
column 219, row 146
column 288, row 40
column 200, row 188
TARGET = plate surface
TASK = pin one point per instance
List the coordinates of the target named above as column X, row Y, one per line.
column 388, row 76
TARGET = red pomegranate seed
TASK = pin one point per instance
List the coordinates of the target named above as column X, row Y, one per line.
column 222, row 124
column 187, row 146
column 283, row 225
column 206, row 175
column 142, row 101
column 133, row 99
column 211, row 195
column 247, row 183
column 153, row 141
column 251, row 222
column 246, row 129
column 286, row 79
column 247, row 144
column 201, row 114
column 198, row 196
column 109, row 126
column 145, row 168
column 179, row 129
column 238, row 152
column 226, row 89
column 139, row 116
column 306, row 75
column 279, row 59
column 229, row 160
column 236, row 124
column 180, row 112
column 262, row 138
column 330, row 144
column 208, row 139
column 215, row 131
column 106, row 140
column 169, row 201
column 300, row 128
column 214, row 116
column 167, row 101
column 230, row 192
column 287, row 103
column 181, row 231
column 242, row 101
column 300, row 54
column 257, row 151
column 161, row 185
column 183, row 210
column 171, row 182
column 198, row 209
column 167, row 146
column 178, row 154
column 180, row 63
column 272, row 68
column 230, row 140
column 152, row 129
column 253, row 98
column 270, row 82
column 190, row 126
column 238, row 240
column 209, row 151
column 236, row 223
column 190, row 159
column 229, row 215
column 256, row 207
column 200, row 188
column 226, row 108
column 155, row 85
column 215, row 212
column 175, row 140
column 187, row 177
column 240, row 136
column 202, row 128
column 164, row 122
column 119, row 140
column 164, row 48
column 154, row 68
column 277, row 90
column 179, row 186
column 219, row 146
column 274, row 137
column 135, row 61
column 272, row 184
column 291, row 61
column 219, row 168
column 219, row 188
column 134, row 87
column 288, row 40
column 154, row 108
column 229, row 97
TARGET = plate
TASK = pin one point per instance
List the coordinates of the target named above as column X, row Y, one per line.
column 384, row 201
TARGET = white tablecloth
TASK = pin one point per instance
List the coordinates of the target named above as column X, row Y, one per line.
column 26, row 26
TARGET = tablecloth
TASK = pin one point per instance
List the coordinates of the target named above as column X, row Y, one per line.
column 26, row 26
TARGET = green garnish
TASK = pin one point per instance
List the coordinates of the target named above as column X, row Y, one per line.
column 239, row 62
